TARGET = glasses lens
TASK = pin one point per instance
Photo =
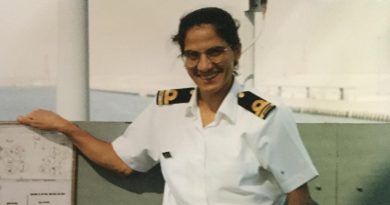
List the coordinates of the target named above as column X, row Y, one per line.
column 215, row 54
column 190, row 58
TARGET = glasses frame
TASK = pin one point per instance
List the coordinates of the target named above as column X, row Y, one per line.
column 215, row 54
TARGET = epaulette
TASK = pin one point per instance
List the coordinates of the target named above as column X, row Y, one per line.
column 174, row 96
column 255, row 104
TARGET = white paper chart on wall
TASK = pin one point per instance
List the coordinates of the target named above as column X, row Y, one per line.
column 36, row 167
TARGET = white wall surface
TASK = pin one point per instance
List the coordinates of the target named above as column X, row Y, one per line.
column 327, row 56
column 325, row 43
column 28, row 42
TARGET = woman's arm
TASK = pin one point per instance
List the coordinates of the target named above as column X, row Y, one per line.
column 99, row 151
column 300, row 196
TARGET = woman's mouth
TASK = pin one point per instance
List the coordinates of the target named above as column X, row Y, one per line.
column 207, row 75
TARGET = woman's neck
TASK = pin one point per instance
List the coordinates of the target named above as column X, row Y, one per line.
column 213, row 100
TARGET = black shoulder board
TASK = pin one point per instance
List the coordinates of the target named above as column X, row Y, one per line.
column 174, row 96
column 255, row 104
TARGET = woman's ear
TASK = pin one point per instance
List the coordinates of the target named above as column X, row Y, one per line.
column 237, row 54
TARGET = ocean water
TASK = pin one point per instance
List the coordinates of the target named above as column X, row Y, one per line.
column 106, row 106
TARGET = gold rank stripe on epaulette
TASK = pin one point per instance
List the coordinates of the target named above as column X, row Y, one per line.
column 174, row 96
column 255, row 104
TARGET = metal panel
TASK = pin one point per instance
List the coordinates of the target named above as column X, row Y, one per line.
column 364, row 165
column 320, row 141
column 99, row 186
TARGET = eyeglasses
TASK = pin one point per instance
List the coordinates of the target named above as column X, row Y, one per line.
column 214, row 54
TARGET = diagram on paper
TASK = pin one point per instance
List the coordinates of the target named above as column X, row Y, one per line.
column 35, row 166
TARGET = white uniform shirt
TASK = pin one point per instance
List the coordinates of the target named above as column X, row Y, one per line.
column 237, row 159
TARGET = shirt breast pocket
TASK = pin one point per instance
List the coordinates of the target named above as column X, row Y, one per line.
column 173, row 166
column 179, row 171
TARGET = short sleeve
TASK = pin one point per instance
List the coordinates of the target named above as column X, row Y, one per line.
column 138, row 146
column 286, row 156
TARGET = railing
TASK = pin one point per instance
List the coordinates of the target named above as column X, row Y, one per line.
column 348, row 102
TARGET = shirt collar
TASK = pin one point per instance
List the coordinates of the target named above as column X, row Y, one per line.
column 228, row 108
column 192, row 106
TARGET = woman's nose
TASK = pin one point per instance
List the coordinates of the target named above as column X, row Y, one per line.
column 204, row 63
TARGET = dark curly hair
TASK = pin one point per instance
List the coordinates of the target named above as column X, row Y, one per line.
column 225, row 26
